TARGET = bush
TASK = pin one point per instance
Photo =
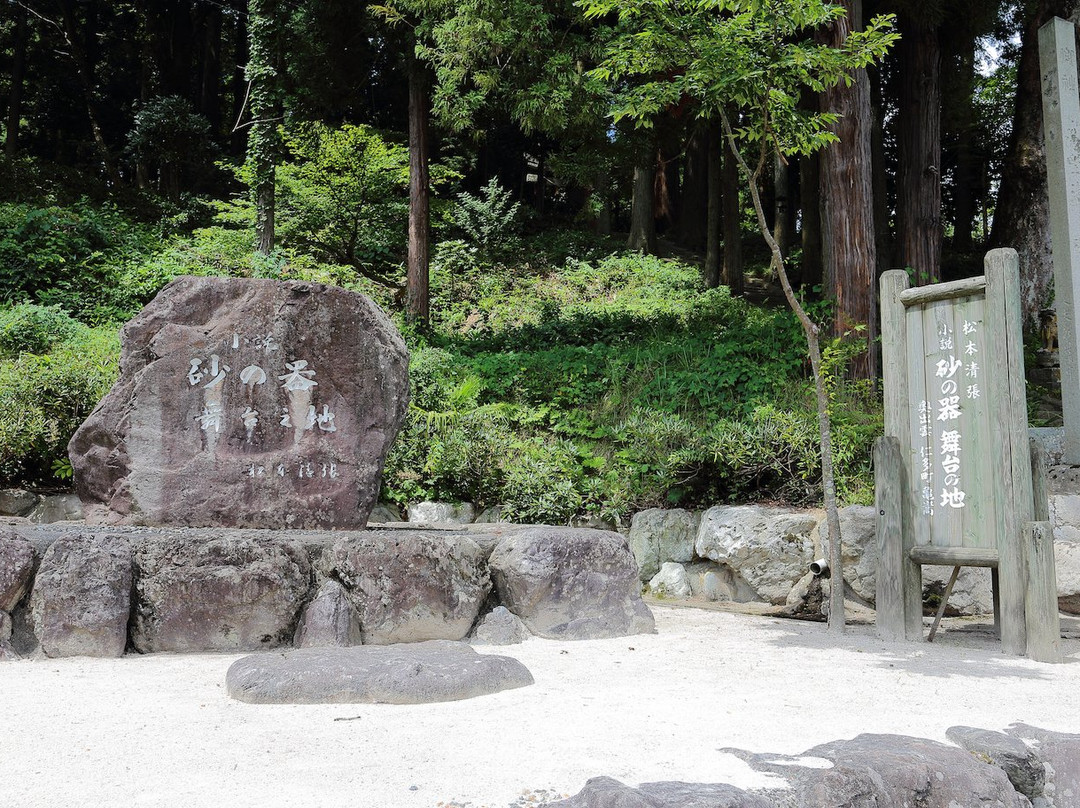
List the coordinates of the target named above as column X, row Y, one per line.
column 31, row 328
column 70, row 257
column 44, row 399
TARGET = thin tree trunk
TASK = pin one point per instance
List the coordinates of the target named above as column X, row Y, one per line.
column 714, row 211
column 810, row 329
column 18, row 73
column 642, row 222
column 732, row 220
column 918, row 203
column 847, row 210
column 417, row 308
column 693, row 213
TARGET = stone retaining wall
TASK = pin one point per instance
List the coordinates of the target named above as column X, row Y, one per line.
column 72, row 589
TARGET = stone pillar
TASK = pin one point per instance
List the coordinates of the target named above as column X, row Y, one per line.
column 1061, row 124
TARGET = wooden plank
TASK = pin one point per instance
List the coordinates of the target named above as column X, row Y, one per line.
column 954, row 517
column 954, row 556
column 1040, row 484
column 888, row 480
column 1002, row 284
column 981, row 476
column 944, row 602
column 922, row 511
column 943, row 291
column 938, row 320
column 899, row 418
column 1043, row 621
column 1061, row 127
column 894, row 355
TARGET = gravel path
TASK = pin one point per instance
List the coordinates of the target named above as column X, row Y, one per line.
column 159, row 730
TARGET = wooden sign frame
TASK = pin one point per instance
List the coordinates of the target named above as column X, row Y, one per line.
column 954, row 471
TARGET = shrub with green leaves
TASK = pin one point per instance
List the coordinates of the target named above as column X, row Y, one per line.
column 489, row 220
column 70, row 256
column 30, row 328
column 45, row 397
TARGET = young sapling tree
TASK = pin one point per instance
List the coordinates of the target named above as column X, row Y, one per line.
column 753, row 59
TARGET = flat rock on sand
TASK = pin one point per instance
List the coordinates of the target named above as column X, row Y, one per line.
column 408, row 673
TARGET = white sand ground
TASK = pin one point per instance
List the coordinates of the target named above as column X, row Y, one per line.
column 159, row 730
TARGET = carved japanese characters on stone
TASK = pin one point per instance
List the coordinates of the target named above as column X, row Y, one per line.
column 246, row 402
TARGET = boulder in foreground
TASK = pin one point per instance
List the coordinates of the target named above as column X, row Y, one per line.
column 232, row 593
column 410, row 673
column 571, row 583
column 410, row 585
column 81, row 599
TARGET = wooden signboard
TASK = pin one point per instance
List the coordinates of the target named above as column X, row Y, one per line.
column 954, row 484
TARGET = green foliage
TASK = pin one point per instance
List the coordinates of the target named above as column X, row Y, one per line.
column 169, row 138
column 609, row 386
column 70, row 256
column 31, row 328
column 44, row 398
column 756, row 57
column 490, row 220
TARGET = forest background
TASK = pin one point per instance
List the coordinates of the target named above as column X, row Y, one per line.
column 592, row 319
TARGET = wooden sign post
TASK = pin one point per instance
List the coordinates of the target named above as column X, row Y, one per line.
column 954, row 477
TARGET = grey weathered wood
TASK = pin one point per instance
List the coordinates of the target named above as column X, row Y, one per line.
column 1040, row 485
column 888, row 474
column 898, row 424
column 894, row 355
column 1002, row 282
column 954, row 556
column 944, row 602
column 995, row 594
column 917, row 391
column 1043, row 621
column 943, row 291
column 1061, row 125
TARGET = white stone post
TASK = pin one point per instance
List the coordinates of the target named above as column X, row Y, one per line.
column 1061, row 125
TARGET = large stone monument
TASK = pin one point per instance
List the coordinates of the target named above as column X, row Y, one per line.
column 247, row 403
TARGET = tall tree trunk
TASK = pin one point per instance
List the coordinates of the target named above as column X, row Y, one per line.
column 240, row 85
column 733, row 260
column 84, row 71
column 603, row 216
column 642, row 221
column 879, row 169
column 18, row 73
column 847, row 210
column 811, row 271
column 714, row 208
column 1022, row 214
column 695, row 189
column 783, row 222
column 265, row 105
column 958, row 122
column 210, row 76
column 419, row 116
column 918, row 204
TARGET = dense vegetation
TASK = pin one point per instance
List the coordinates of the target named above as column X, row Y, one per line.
column 560, row 376
column 530, row 158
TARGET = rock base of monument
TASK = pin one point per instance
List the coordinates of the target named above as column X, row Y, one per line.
column 76, row 590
